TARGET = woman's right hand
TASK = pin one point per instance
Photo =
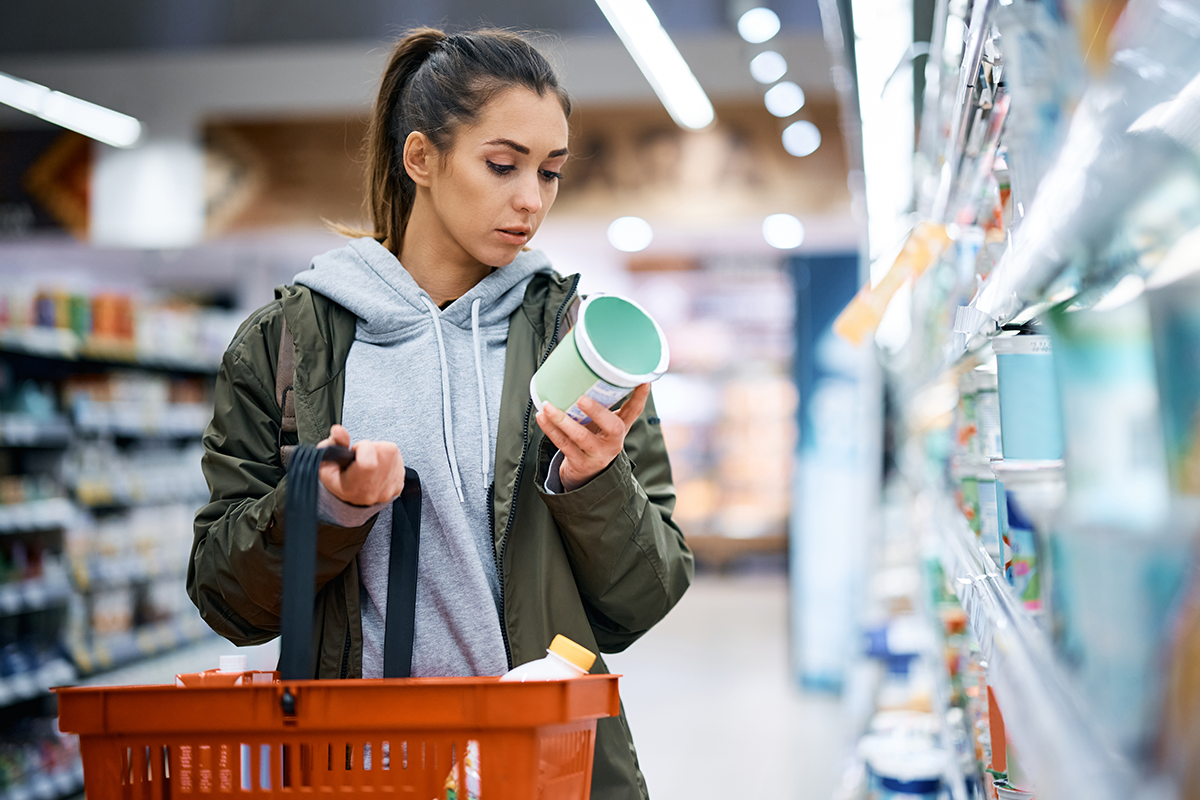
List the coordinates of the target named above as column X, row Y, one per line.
column 375, row 476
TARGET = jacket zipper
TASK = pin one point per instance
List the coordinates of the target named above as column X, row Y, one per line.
column 512, row 511
column 346, row 655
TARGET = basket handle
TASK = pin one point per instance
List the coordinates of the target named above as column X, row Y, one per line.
column 300, row 566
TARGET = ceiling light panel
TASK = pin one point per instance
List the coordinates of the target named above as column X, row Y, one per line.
column 659, row 60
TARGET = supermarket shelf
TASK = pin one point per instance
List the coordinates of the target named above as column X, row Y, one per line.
column 57, row 344
column 119, row 650
column 36, row 516
column 27, row 685
column 48, row 787
column 1043, row 713
column 100, row 574
column 136, row 421
column 24, row 430
column 37, row 594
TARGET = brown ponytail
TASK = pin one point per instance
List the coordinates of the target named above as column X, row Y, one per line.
column 435, row 83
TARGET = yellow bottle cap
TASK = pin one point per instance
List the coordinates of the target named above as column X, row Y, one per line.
column 577, row 654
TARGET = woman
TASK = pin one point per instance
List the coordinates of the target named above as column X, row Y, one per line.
column 420, row 340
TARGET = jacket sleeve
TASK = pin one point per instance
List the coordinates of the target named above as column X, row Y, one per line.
column 235, row 572
column 629, row 558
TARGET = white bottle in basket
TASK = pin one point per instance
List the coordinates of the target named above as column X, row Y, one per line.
column 564, row 659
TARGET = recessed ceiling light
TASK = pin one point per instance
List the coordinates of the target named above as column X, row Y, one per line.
column 768, row 66
column 630, row 234
column 783, row 231
column 801, row 138
column 758, row 25
column 784, row 99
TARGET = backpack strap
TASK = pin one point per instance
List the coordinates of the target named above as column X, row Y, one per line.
column 285, row 394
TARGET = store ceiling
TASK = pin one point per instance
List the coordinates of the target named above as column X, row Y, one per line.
column 87, row 26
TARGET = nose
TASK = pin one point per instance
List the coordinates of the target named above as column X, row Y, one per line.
column 528, row 194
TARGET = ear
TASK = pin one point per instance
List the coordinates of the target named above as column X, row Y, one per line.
column 419, row 158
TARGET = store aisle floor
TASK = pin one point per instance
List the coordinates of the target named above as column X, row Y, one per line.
column 714, row 712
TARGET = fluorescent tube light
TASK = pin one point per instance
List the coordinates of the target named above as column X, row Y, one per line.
column 96, row 122
column 660, row 61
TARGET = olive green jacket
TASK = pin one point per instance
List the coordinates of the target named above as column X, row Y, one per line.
column 601, row 564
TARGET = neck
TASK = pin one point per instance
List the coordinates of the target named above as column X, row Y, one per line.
column 444, row 272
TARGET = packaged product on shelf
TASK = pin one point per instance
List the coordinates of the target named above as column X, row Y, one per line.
column 987, row 411
column 1115, row 462
column 1115, row 598
column 903, row 770
column 1030, row 410
column 1175, row 314
column 1020, row 559
column 980, row 505
column 1044, row 76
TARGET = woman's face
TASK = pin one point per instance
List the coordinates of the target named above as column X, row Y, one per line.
column 492, row 190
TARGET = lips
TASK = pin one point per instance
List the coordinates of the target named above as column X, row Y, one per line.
column 514, row 235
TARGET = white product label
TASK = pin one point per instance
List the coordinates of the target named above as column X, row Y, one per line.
column 987, row 412
column 603, row 393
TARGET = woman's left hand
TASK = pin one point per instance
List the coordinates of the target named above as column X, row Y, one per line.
column 587, row 451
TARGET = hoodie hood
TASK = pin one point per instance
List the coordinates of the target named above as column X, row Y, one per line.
column 366, row 279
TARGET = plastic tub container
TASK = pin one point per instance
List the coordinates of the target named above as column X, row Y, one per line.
column 1115, row 458
column 1030, row 411
column 614, row 347
column 1034, row 493
column 905, row 769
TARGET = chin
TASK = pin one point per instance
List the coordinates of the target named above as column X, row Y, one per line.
column 502, row 259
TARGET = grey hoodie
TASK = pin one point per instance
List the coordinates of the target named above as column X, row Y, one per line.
column 430, row 381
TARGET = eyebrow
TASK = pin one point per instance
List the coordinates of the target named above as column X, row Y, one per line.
column 522, row 149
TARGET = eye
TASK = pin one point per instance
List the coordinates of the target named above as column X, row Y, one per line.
column 548, row 175
column 500, row 169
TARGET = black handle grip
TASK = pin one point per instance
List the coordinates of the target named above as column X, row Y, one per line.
column 342, row 456
column 300, row 566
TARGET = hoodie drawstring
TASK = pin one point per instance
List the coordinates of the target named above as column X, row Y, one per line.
column 485, row 433
column 447, row 423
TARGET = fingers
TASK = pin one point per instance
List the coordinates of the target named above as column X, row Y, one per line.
column 376, row 476
column 635, row 405
column 558, row 428
column 337, row 435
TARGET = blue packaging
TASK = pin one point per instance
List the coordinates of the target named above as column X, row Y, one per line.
column 1030, row 411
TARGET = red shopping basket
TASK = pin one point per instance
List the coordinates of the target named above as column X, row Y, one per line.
column 396, row 736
